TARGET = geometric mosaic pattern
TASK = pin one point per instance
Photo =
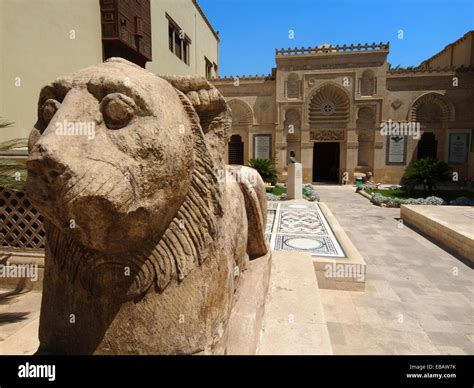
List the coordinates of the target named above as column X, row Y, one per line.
column 317, row 245
column 292, row 221
column 301, row 227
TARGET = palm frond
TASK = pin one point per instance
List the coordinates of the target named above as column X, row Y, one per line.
column 5, row 124
column 12, row 174
column 8, row 164
column 11, row 182
column 13, row 143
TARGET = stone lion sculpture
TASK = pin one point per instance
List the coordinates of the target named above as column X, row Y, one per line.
column 147, row 230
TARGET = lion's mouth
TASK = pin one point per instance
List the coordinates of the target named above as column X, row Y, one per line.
column 47, row 198
column 42, row 195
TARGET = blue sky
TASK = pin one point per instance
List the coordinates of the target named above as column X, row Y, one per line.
column 250, row 30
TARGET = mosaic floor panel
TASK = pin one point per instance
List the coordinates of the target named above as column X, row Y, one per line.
column 300, row 227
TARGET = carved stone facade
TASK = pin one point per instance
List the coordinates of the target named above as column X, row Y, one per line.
column 326, row 135
column 344, row 95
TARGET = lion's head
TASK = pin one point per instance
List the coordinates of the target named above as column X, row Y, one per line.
column 113, row 154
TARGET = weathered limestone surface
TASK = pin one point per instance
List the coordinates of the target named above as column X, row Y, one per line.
column 147, row 230
column 451, row 226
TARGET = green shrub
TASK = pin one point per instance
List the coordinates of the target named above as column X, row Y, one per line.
column 266, row 168
column 427, row 172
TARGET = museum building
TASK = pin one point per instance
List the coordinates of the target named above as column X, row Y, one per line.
column 48, row 39
column 342, row 111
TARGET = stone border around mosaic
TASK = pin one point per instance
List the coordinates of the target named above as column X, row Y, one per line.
column 320, row 245
column 353, row 263
column 306, row 230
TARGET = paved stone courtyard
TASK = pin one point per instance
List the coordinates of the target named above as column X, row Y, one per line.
column 19, row 322
column 418, row 297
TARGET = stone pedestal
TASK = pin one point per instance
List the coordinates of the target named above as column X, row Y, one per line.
column 295, row 181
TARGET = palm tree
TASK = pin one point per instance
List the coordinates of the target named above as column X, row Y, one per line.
column 266, row 168
column 427, row 172
column 12, row 174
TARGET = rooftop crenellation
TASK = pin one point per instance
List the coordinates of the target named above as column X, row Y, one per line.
column 424, row 70
column 245, row 77
column 326, row 49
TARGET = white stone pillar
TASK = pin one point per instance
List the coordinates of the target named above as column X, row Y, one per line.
column 295, row 181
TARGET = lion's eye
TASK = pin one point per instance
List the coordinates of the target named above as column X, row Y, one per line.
column 49, row 109
column 117, row 109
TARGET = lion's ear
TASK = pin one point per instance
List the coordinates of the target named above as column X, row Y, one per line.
column 214, row 114
column 205, row 98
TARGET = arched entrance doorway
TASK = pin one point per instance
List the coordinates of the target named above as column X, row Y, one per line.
column 434, row 112
column 328, row 116
column 239, row 150
column 236, row 150
column 326, row 162
column 427, row 146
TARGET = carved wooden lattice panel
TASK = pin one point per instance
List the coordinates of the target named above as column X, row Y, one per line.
column 126, row 30
column 21, row 225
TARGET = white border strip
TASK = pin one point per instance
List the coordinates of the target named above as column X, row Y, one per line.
column 340, row 252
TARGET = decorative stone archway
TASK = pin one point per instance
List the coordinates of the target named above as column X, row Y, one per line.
column 329, row 104
column 242, row 121
column 431, row 108
column 242, row 113
column 328, row 115
column 433, row 111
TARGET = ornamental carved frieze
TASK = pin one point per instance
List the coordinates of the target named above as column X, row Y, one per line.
column 326, row 135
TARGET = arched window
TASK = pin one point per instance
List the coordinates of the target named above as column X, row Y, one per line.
column 292, row 124
column 365, row 118
column 365, row 136
column 293, row 86
column 367, row 83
